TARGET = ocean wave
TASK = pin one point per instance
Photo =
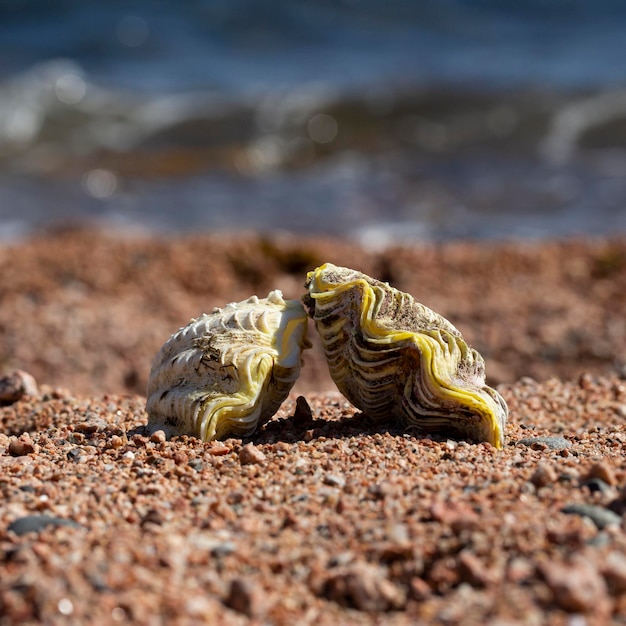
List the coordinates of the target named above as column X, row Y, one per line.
column 55, row 110
column 382, row 163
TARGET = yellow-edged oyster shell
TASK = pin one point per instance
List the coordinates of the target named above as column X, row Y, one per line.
column 391, row 356
column 227, row 372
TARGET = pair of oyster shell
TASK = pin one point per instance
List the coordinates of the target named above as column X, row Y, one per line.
column 227, row 372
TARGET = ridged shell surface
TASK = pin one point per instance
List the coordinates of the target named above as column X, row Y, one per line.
column 227, row 372
column 393, row 357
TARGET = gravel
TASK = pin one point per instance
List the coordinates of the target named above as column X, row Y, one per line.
column 347, row 525
column 321, row 517
column 89, row 311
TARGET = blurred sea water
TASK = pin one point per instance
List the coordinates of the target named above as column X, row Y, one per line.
column 385, row 122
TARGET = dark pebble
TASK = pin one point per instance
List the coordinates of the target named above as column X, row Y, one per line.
column 197, row 464
column 600, row 516
column 36, row 523
column 245, row 597
column 554, row 443
column 74, row 454
column 596, row 485
column 303, row 413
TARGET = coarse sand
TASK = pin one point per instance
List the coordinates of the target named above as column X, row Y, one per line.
column 321, row 517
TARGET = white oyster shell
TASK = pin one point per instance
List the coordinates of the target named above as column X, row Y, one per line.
column 392, row 357
column 227, row 372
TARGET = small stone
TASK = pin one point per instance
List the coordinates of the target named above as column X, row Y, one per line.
column 282, row 446
column 21, row 446
column 65, row 606
column 335, row 480
column 245, row 597
column 576, row 586
column 363, row 587
column 381, row 490
column 95, row 425
column 152, row 516
column 217, row 448
column 223, row 548
column 596, row 485
column 544, row 475
column 16, row 385
column 472, row 571
column 458, row 516
column 75, row 454
column 180, row 458
column 196, row 464
column 116, row 441
column 614, row 571
column 552, row 443
column 618, row 505
column 600, row 516
column 36, row 523
column 518, row 570
column 250, row 454
column 603, row 472
column 158, row 436
column 419, row 589
column 303, row 413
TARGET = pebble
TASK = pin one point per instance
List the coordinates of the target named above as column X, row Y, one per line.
column 152, row 516
column 15, row 385
column 614, row 571
column 180, row 458
column 596, row 485
column 75, row 454
column 543, row 476
column 250, row 454
column 602, row 472
column 116, row 442
column 245, row 597
column 576, row 586
column 472, row 570
column 36, row 523
column 553, row 443
column 600, row 516
column 460, row 517
column 21, row 446
column 217, row 448
column 223, row 548
column 335, row 480
column 196, row 464
column 89, row 427
column 158, row 436
column 363, row 587
column 303, row 411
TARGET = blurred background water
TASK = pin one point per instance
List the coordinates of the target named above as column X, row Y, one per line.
column 384, row 121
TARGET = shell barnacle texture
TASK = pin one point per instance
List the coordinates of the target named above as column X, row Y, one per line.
column 391, row 356
column 227, row 372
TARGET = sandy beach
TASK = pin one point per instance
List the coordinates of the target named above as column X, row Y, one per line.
column 320, row 517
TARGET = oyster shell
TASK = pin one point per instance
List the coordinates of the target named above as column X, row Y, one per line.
column 392, row 356
column 227, row 372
